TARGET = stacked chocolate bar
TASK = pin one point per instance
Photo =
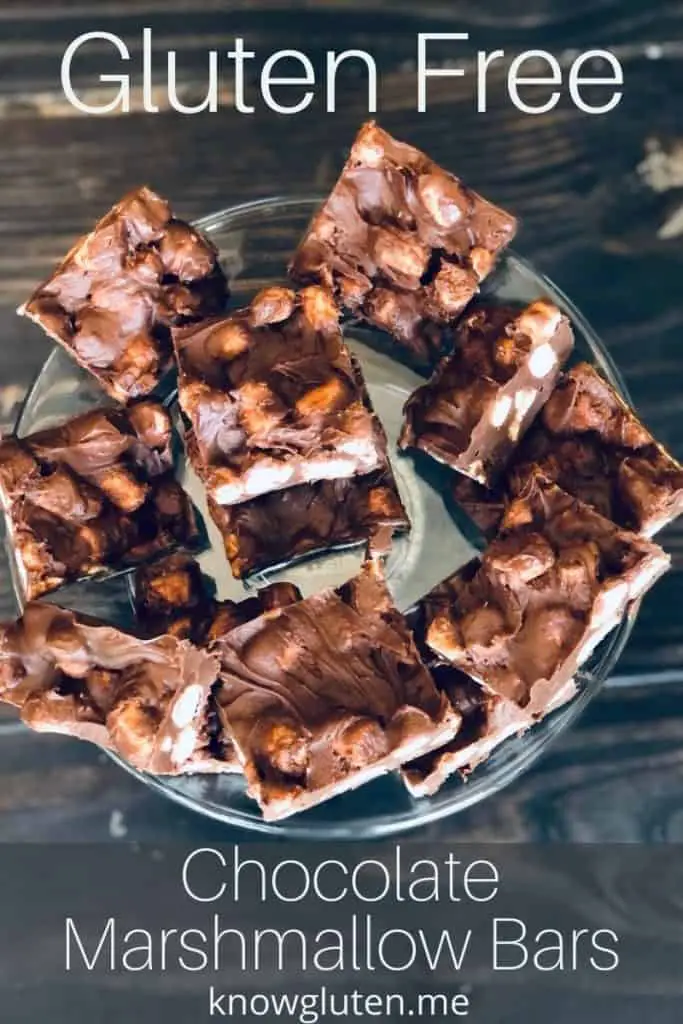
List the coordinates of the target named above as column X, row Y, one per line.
column 309, row 697
column 282, row 432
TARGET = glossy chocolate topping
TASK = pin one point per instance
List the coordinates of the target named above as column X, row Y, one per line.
column 140, row 697
column 325, row 693
column 599, row 439
column 112, row 300
column 556, row 579
column 483, row 396
column 592, row 445
column 273, row 397
column 401, row 242
column 95, row 494
column 286, row 525
column 173, row 596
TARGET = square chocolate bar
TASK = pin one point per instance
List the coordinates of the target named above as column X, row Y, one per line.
column 326, row 694
column 597, row 448
column 273, row 398
column 403, row 244
column 96, row 494
column 593, row 446
column 113, row 298
column 284, row 526
column 172, row 596
column 141, row 698
column 482, row 397
column 524, row 618
column 486, row 720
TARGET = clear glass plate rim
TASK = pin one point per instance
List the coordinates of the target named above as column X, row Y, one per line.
column 423, row 812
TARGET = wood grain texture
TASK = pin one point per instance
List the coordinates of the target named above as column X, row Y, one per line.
column 601, row 204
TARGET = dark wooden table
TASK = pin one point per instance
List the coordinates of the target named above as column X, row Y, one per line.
column 601, row 200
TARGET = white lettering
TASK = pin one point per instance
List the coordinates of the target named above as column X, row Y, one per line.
column 424, row 72
column 186, row 883
column 483, row 61
column 575, row 81
column 280, row 939
column 122, row 98
column 106, row 939
column 501, row 926
column 515, row 80
column 210, row 101
column 333, row 62
column 239, row 55
column 267, row 82
column 488, row 876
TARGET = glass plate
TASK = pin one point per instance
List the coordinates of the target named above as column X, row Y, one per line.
column 255, row 241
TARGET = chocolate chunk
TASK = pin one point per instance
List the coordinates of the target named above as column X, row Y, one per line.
column 94, row 495
column 113, row 298
column 483, row 396
column 273, row 398
column 601, row 443
column 486, row 721
column 402, row 243
column 557, row 578
column 326, row 694
column 593, row 446
column 143, row 698
column 173, row 596
column 287, row 525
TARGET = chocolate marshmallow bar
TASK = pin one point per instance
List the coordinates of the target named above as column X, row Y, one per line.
column 96, row 494
column 483, row 396
column 273, row 398
column 601, row 452
column 141, row 698
column 486, row 721
column 173, row 596
column 546, row 591
column 112, row 299
column 403, row 244
column 326, row 694
column 282, row 527
column 593, row 446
